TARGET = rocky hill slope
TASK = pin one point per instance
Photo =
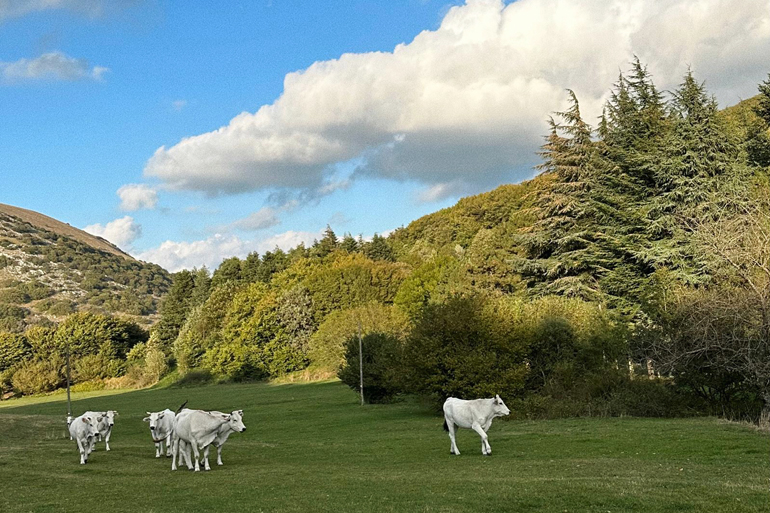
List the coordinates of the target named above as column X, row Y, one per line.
column 49, row 269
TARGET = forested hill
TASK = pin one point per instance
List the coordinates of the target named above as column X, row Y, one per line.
column 49, row 269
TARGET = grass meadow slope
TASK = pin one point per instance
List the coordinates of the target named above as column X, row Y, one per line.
column 311, row 447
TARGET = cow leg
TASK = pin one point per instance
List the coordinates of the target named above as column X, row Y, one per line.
column 219, row 455
column 158, row 449
column 188, row 456
column 453, row 443
column 206, row 458
column 197, row 454
column 486, row 429
column 175, row 453
column 485, row 449
column 82, row 450
column 168, row 446
column 107, row 439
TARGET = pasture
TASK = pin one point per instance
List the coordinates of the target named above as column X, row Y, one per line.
column 311, row 447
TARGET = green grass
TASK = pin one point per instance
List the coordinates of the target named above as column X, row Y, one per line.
column 311, row 447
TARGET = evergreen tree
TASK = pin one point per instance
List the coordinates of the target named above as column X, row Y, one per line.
column 250, row 267
column 272, row 262
column 201, row 286
column 763, row 109
column 378, row 249
column 327, row 244
column 228, row 271
column 174, row 309
column 349, row 244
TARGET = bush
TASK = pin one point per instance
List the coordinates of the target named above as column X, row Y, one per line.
column 467, row 347
column 382, row 362
column 155, row 365
column 14, row 296
column 38, row 376
column 14, row 349
column 95, row 366
column 234, row 360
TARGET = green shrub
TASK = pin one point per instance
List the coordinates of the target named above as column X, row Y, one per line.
column 155, row 365
column 14, row 296
column 95, row 366
column 468, row 347
column 234, row 360
column 38, row 376
column 137, row 353
column 35, row 290
column 14, row 349
column 382, row 364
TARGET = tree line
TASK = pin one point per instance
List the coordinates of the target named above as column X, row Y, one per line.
column 630, row 277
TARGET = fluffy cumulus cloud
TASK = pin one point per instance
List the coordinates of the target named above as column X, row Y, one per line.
column 137, row 196
column 51, row 66
column 464, row 106
column 121, row 232
column 210, row 252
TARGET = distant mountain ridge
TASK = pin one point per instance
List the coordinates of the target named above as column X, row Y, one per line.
column 49, row 269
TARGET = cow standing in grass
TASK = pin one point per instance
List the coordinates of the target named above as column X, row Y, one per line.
column 83, row 430
column 104, row 426
column 476, row 415
column 161, row 429
column 198, row 429
column 234, row 425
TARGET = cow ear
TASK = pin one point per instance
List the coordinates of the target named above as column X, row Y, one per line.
column 146, row 419
column 161, row 416
column 84, row 419
column 241, row 412
column 99, row 419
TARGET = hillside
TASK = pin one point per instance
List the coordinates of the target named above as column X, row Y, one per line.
column 49, row 269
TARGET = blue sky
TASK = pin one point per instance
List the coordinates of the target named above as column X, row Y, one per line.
column 359, row 114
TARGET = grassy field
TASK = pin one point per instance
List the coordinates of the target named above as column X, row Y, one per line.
column 311, row 447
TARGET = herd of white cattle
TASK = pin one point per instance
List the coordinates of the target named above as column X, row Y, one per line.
column 198, row 430
column 179, row 431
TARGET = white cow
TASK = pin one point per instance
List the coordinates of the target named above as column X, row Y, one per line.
column 83, row 430
column 104, row 426
column 476, row 415
column 234, row 425
column 161, row 429
column 197, row 428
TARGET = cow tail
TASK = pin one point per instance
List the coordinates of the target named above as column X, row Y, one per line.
column 181, row 407
column 446, row 427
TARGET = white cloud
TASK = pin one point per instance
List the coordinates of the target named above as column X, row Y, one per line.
column 51, row 66
column 17, row 8
column 121, row 232
column 137, row 196
column 210, row 252
column 466, row 104
column 263, row 218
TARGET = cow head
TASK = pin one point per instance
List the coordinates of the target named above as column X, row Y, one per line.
column 236, row 421
column 110, row 417
column 501, row 410
column 156, row 426
column 91, row 425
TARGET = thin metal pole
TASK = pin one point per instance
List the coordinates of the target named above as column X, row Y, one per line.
column 69, row 402
column 361, row 363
